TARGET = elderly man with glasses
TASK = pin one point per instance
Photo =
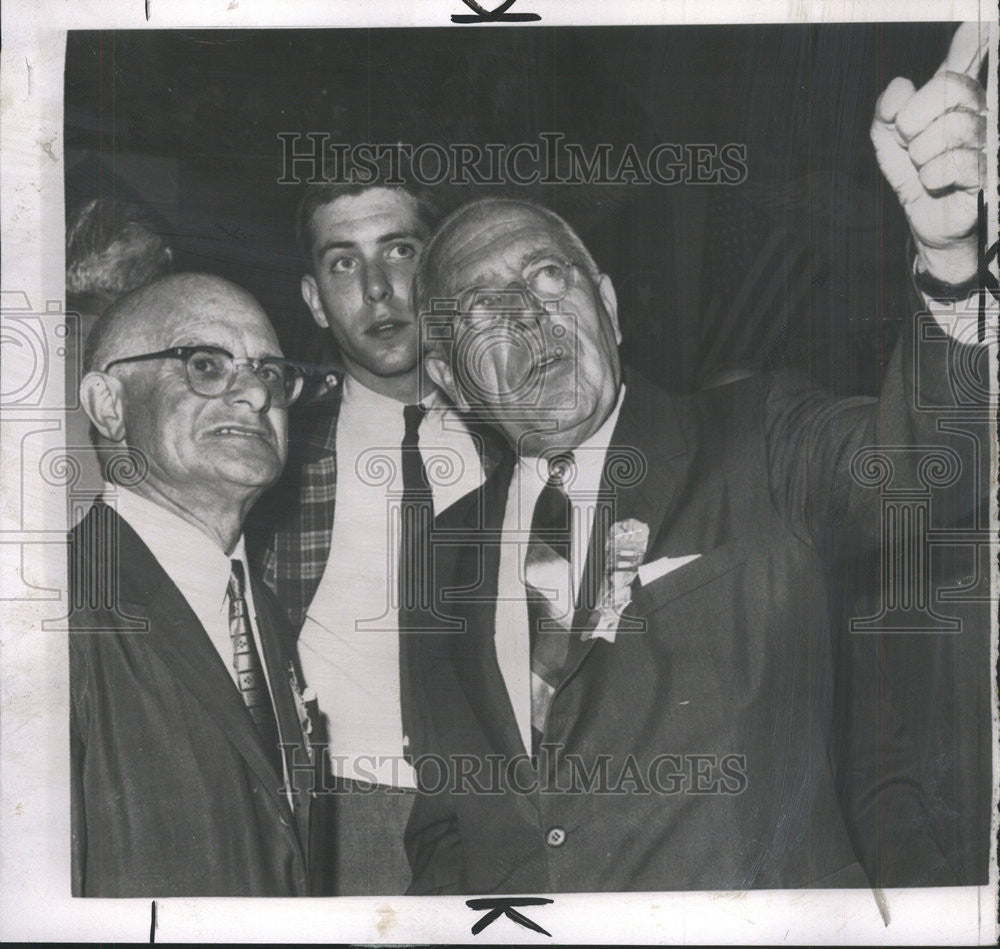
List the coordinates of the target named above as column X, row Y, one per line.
column 191, row 763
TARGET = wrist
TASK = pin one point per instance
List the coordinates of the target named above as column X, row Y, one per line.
column 941, row 267
column 944, row 291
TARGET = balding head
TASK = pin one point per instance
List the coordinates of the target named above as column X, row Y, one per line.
column 208, row 456
column 146, row 319
column 446, row 251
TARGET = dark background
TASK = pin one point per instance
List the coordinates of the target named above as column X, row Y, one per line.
column 803, row 264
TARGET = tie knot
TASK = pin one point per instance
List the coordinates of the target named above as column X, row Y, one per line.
column 561, row 469
column 413, row 415
column 237, row 581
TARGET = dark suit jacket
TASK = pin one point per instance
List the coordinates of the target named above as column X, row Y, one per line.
column 173, row 793
column 695, row 754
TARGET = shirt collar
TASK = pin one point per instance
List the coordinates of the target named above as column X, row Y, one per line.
column 377, row 409
column 198, row 567
column 358, row 394
column 588, row 457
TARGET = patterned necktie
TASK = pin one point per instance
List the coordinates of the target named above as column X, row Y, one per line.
column 549, row 589
column 416, row 518
column 250, row 677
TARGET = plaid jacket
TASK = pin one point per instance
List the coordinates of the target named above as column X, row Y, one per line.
column 289, row 532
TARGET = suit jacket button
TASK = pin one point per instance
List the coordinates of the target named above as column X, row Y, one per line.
column 556, row 837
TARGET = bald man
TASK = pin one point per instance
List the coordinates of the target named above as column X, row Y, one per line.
column 191, row 764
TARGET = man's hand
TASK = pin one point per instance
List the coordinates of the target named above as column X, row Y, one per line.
column 931, row 147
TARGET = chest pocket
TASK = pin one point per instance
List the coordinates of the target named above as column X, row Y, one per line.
column 688, row 578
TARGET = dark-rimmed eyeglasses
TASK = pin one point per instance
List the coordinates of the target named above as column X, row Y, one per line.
column 548, row 279
column 211, row 371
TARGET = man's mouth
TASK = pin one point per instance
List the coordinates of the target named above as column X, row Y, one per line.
column 535, row 373
column 549, row 360
column 242, row 431
column 386, row 329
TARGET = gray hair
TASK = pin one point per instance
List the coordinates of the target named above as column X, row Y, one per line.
column 110, row 250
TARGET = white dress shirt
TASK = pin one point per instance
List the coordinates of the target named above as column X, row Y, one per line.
column 513, row 641
column 349, row 644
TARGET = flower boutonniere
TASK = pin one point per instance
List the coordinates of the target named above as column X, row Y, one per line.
column 624, row 551
column 302, row 697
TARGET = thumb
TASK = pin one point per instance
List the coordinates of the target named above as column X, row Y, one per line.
column 968, row 49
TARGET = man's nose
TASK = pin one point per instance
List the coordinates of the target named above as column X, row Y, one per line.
column 248, row 388
column 377, row 286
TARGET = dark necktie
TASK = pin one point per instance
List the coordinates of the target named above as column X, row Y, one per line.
column 548, row 586
column 416, row 518
column 250, row 677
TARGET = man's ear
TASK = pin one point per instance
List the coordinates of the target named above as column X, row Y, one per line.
column 440, row 373
column 103, row 399
column 310, row 293
column 609, row 298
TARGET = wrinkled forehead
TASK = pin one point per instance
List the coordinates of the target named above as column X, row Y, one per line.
column 494, row 245
column 219, row 316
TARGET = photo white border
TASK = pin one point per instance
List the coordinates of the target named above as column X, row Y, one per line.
column 34, row 777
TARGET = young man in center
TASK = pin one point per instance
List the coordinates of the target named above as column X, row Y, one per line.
column 333, row 525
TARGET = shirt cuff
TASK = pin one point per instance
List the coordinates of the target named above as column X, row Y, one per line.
column 959, row 319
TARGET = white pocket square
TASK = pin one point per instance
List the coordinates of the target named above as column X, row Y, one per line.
column 648, row 572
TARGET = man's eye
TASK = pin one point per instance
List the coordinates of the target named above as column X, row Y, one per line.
column 343, row 265
column 270, row 372
column 547, row 279
column 401, row 252
column 487, row 301
column 207, row 363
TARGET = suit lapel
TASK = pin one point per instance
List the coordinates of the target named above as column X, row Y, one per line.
column 178, row 638
column 474, row 653
column 479, row 518
column 648, row 456
column 646, row 461
column 280, row 674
